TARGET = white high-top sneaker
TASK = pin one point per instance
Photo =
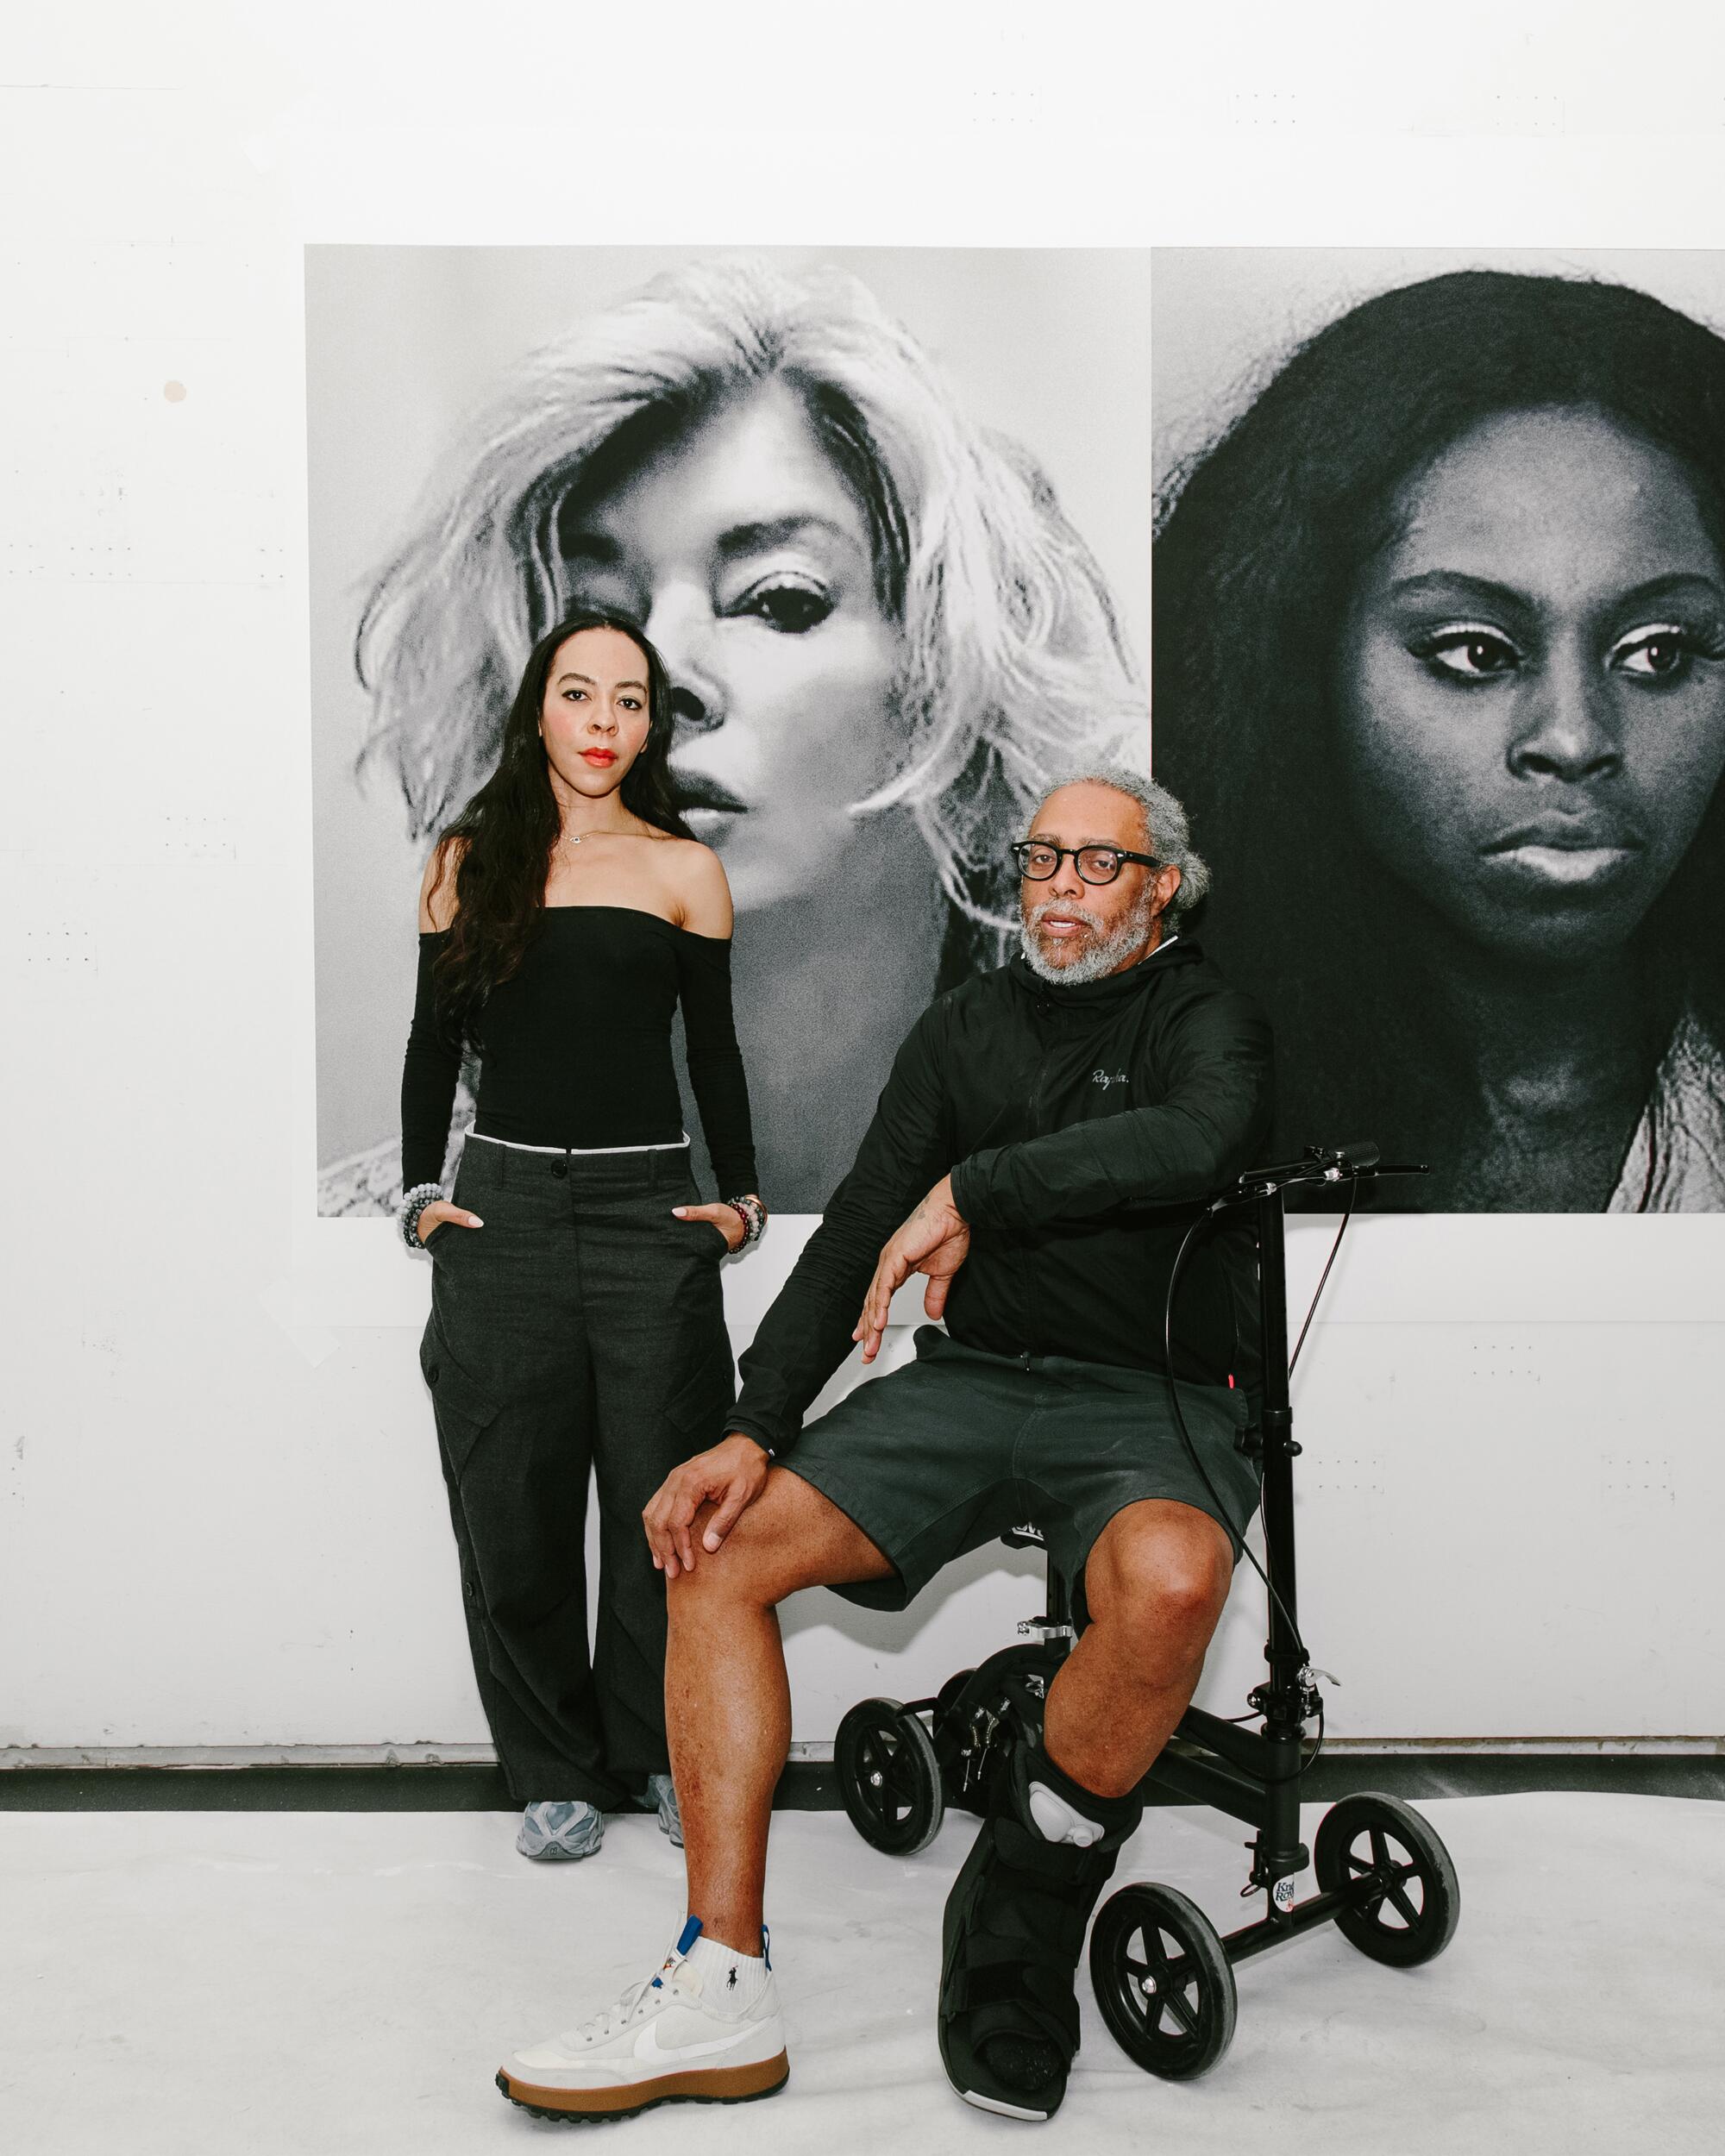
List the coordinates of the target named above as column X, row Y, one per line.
column 673, row 2036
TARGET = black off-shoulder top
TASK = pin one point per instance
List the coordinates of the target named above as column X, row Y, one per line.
column 576, row 1047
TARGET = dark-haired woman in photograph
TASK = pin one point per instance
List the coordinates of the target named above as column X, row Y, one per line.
column 577, row 1321
column 1440, row 670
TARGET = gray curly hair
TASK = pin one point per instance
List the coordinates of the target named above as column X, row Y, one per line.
column 1167, row 835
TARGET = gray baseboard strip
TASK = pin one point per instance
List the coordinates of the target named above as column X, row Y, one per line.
column 465, row 1778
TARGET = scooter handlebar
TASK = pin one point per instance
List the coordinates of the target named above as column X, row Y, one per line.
column 1317, row 1164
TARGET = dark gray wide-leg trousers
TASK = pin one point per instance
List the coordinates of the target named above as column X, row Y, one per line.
column 582, row 1327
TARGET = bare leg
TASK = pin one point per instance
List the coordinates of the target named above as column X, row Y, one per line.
column 1156, row 1582
column 727, row 1700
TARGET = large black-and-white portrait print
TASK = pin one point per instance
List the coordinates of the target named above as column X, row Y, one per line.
column 886, row 514
column 1440, row 670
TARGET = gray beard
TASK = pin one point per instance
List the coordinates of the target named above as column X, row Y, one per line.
column 1105, row 953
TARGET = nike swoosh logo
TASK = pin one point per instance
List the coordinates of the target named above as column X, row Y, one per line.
column 651, row 2053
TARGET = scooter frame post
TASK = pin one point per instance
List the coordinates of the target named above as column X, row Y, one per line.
column 1284, row 1699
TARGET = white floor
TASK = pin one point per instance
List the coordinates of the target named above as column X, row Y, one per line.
column 318, row 1984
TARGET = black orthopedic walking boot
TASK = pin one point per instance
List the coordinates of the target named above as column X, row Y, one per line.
column 1014, row 1930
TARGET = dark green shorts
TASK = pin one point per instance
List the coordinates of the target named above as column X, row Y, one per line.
column 946, row 1454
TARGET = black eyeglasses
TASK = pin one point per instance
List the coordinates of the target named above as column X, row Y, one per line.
column 1095, row 864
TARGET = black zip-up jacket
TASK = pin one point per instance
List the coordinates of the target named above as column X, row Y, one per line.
column 1079, row 1125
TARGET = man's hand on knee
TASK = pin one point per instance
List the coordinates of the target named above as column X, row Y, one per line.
column 935, row 1240
column 729, row 1477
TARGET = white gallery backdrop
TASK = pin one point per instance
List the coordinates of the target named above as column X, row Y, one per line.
column 221, row 1520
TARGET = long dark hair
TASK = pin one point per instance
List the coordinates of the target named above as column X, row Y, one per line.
column 500, row 845
column 1261, row 539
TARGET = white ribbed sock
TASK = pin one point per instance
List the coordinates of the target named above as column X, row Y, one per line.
column 731, row 1982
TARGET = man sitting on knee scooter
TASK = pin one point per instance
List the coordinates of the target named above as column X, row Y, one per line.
column 1047, row 1130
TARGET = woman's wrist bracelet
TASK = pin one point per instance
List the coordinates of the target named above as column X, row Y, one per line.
column 753, row 1215
column 413, row 1203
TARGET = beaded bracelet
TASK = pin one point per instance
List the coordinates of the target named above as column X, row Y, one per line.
column 753, row 1215
column 413, row 1203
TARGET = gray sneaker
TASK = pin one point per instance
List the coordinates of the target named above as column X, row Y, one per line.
column 556, row 1831
column 661, row 1796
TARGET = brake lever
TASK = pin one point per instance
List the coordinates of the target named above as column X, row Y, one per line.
column 1302, row 1174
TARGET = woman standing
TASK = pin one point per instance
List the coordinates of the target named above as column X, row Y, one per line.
column 1439, row 670
column 577, row 1320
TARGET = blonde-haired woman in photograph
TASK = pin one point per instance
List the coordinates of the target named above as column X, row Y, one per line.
column 880, row 629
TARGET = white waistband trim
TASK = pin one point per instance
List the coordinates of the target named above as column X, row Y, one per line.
column 671, row 1145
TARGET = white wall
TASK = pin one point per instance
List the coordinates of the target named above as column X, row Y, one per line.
column 221, row 1520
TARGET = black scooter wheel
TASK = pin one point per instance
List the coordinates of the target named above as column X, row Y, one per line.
column 951, row 1737
column 1403, row 1897
column 889, row 1776
column 946, row 1697
column 1162, row 1979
